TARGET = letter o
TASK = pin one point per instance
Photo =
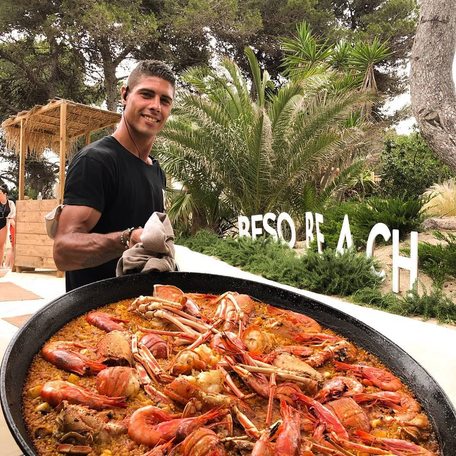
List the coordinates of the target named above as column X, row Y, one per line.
column 283, row 216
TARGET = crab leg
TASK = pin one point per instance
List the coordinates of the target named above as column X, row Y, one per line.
column 287, row 375
column 250, row 429
column 145, row 303
column 176, row 321
column 147, row 359
column 163, row 332
column 272, row 391
column 229, row 381
column 150, row 390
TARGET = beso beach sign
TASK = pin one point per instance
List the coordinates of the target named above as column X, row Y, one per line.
column 269, row 223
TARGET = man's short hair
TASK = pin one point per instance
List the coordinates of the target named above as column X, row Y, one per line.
column 151, row 68
column 4, row 188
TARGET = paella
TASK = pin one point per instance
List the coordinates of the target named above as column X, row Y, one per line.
column 200, row 374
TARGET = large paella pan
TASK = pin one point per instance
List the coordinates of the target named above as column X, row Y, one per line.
column 52, row 318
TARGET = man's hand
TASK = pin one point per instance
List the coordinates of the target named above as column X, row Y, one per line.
column 135, row 237
column 75, row 247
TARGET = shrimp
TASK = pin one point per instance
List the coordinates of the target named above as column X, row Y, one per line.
column 144, row 431
column 263, row 446
column 324, row 415
column 289, row 433
column 396, row 446
column 339, row 386
column 56, row 391
column 373, row 375
column 63, row 355
column 105, row 321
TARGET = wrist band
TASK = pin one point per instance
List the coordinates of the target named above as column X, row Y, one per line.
column 125, row 237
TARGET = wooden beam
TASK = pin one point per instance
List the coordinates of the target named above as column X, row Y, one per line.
column 87, row 138
column 63, row 149
column 26, row 115
column 92, row 128
column 22, row 152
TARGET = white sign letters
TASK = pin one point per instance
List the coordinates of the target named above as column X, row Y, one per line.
column 269, row 223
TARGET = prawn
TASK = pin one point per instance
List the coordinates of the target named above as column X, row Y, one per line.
column 143, row 429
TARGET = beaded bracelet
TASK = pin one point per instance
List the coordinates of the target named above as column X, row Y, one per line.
column 126, row 235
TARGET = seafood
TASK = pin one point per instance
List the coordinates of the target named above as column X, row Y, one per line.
column 64, row 355
column 87, row 424
column 184, row 388
column 203, row 442
column 396, row 446
column 114, row 349
column 156, row 344
column 54, row 392
column 192, row 374
column 350, row 414
column 257, row 340
column 118, row 381
column 339, row 386
column 289, row 434
column 342, row 350
column 105, row 321
column 373, row 375
column 144, row 431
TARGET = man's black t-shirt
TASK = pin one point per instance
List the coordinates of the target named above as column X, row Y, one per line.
column 107, row 177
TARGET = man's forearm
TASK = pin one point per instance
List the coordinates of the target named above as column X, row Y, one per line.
column 85, row 250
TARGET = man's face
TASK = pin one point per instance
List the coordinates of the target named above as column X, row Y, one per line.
column 148, row 105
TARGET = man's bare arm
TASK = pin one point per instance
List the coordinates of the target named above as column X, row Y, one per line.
column 76, row 248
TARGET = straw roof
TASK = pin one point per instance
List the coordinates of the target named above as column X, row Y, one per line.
column 42, row 125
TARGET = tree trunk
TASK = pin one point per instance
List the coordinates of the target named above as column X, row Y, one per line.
column 109, row 73
column 431, row 79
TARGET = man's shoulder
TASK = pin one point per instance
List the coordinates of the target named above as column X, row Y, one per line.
column 104, row 151
column 106, row 146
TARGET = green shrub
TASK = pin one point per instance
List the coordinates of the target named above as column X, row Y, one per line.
column 396, row 213
column 336, row 274
column 433, row 305
column 327, row 273
column 409, row 167
column 438, row 261
column 333, row 219
column 343, row 275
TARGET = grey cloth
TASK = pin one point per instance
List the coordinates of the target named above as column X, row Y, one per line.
column 155, row 252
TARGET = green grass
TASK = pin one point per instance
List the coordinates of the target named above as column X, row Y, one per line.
column 427, row 305
column 439, row 261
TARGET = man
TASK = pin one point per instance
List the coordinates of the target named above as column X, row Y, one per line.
column 113, row 185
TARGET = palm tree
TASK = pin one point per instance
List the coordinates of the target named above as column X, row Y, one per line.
column 250, row 148
column 304, row 54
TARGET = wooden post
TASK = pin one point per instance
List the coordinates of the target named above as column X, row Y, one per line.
column 22, row 152
column 87, row 138
column 63, row 149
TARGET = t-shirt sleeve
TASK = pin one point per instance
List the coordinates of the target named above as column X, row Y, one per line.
column 89, row 182
column 12, row 213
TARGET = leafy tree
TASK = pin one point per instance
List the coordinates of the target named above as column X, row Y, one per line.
column 431, row 78
column 254, row 149
column 36, row 64
column 305, row 54
column 409, row 167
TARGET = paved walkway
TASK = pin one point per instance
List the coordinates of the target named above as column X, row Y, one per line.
column 432, row 345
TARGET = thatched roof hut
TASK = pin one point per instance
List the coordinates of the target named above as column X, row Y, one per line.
column 53, row 126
